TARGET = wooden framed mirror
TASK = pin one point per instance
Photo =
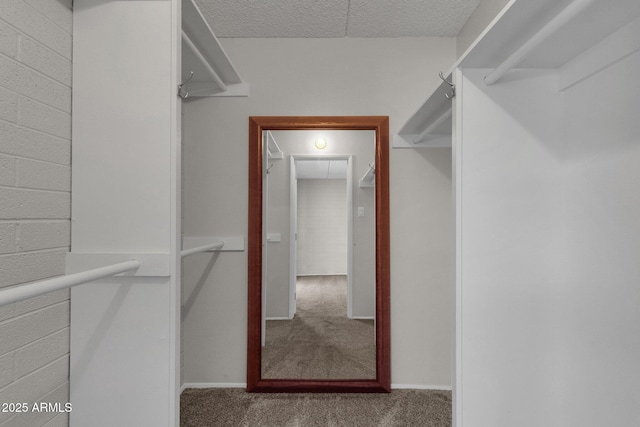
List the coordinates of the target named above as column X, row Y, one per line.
column 260, row 379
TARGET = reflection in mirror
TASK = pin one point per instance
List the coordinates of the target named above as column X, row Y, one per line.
column 319, row 272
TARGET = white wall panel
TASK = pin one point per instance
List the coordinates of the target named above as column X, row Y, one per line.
column 548, row 225
column 598, row 361
column 126, row 193
column 511, row 248
column 121, row 115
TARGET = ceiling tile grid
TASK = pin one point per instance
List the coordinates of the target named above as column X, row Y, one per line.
column 336, row 18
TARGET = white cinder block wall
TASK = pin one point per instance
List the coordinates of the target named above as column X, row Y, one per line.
column 35, row 197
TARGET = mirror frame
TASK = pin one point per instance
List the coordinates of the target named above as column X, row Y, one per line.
column 257, row 125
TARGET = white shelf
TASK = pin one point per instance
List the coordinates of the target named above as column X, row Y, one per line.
column 435, row 113
column 513, row 27
column 273, row 150
column 202, row 54
column 522, row 19
column 369, row 178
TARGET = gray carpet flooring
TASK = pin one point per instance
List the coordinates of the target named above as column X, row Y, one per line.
column 322, row 357
column 320, row 342
column 236, row 408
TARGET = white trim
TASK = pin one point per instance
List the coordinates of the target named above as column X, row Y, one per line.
column 363, row 317
column 278, row 318
column 420, row 387
column 456, row 343
column 349, row 213
column 212, row 385
column 329, row 274
column 229, row 243
column 175, row 296
column 293, row 235
column 244, row 385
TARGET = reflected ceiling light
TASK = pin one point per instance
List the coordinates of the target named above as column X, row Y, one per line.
column 321, row 143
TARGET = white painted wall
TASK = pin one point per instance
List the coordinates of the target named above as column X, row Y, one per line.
column 598, row 340
column 322, row 227
column 510, row 253
column 35, row 186
column 125, row 331
column 321, row 77
column 548, row 249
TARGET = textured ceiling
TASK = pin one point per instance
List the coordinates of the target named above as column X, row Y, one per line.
column 336, row 18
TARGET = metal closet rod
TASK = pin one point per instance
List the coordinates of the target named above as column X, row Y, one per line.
column 23, row 292
column 567, row 14
column 203, row 248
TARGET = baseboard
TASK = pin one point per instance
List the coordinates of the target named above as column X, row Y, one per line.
column 278, row 318
column 421, row 387
column 212, row 385
column 244, row 385
column 363, row 317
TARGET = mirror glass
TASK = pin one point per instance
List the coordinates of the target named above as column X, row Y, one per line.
column 318, row 256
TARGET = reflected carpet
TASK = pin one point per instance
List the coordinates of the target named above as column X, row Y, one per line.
column 320, row 342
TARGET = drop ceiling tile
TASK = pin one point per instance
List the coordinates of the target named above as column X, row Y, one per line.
column 282, row 18
column 408, row 18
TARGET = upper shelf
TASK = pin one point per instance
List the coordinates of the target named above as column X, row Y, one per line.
column 430, row 126
column 541, row 34
column 558, row 31
column 369, row 178
column 202, row 55
column 273, row 150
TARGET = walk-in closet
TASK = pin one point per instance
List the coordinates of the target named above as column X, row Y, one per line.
column 484, row 189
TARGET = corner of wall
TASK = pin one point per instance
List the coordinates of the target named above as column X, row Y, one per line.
column 486, row 11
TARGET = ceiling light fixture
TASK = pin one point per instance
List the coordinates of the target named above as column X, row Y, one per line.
column 321, row 143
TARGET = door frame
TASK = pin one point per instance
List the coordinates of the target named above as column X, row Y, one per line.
column 293, row 226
